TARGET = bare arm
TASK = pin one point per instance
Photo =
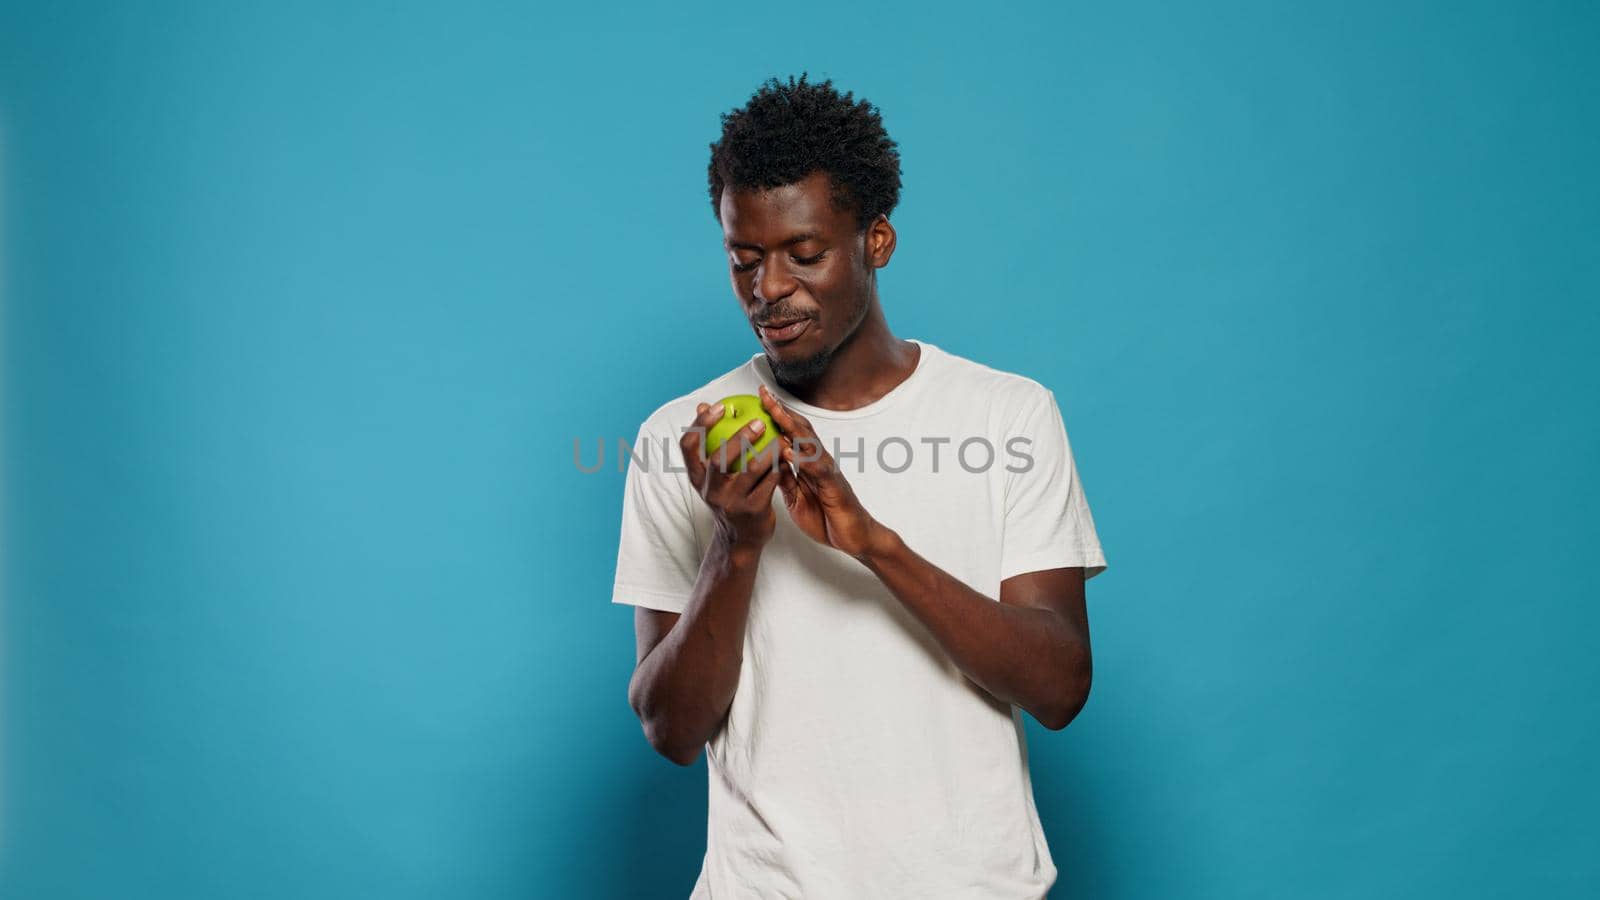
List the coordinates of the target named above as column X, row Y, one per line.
column 1030, row 650
column 689, row 664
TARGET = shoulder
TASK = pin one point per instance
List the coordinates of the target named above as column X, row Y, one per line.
column 1008, row 394
column 675, row 414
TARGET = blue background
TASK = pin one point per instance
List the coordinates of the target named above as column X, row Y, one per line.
column 304, row 307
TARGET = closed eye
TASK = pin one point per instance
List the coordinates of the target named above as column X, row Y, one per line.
column 802, row 260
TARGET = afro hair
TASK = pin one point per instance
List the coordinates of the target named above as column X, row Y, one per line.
column 788, row 131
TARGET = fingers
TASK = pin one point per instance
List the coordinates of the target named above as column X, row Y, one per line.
column 726, row 459
column 758, row 463
column 807, row 452
column 769, row 477
column 719, row 476
column 740, row 499
column 720, row 473
column 788, row 421
column 787, row 483
column 693, row 441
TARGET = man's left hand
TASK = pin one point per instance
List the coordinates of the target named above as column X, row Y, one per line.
column 818, row 497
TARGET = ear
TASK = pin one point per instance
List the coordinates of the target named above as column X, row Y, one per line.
column 879, row 239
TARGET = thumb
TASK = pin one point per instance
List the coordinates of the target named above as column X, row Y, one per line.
column 788, row 485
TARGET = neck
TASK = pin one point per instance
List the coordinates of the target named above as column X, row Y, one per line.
column 869, row 364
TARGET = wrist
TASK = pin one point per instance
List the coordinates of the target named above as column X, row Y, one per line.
column 882, row 543
column 738, row 549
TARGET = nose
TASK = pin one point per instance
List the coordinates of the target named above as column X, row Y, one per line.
column 773, row 281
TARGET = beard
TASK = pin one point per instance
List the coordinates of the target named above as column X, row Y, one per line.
column 807, row 371
column 803, row 371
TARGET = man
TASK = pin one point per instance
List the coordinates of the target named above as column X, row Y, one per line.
column 853, row 662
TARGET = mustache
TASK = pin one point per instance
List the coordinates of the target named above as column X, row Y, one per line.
column 782, row 315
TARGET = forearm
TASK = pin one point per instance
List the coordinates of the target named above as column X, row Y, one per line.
column 682, row 690
column 1023, row 656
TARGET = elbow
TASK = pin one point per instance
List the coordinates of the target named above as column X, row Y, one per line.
column 657, row 731
column 664, row 741
column 684, row 758
column 1060, row 713
column 1055, row 718
column 679, row 752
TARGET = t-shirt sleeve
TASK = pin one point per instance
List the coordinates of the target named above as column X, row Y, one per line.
column 1047, row 520
column 658, row 556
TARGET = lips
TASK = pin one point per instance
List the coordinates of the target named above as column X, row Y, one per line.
column 782, row 332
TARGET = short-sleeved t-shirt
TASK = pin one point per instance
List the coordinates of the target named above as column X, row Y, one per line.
column 856, row 759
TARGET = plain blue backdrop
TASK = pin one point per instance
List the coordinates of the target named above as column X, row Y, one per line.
column 305, row 305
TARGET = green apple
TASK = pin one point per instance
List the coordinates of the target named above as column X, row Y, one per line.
column 738, row 410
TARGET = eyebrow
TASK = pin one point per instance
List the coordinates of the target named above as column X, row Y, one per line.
column 793, row 239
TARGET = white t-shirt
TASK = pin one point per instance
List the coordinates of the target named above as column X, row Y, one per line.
column 857, row 761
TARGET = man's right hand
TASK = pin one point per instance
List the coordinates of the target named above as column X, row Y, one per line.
column 740, row 500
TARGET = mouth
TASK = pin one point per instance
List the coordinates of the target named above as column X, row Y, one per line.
column 783, row 332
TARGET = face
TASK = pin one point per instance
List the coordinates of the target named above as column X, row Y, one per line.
column 803, row 273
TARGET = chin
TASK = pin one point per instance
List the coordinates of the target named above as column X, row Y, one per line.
column 799, row 369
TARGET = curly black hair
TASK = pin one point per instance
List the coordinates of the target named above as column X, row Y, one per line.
column 788, row 131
